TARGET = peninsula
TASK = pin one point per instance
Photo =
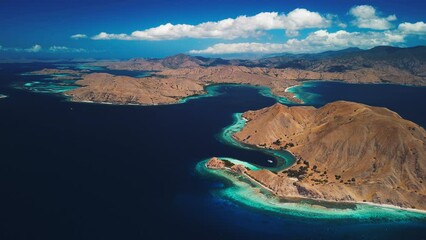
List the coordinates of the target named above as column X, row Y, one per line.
column 345, row 152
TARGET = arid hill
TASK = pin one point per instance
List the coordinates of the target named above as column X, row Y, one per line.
column 179, row 76
column 107, row 88
column 345, row 152
column 379, row 64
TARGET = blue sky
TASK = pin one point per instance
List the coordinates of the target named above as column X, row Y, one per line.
column 158, row 28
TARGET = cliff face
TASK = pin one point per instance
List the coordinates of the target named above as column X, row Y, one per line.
column 345, row 151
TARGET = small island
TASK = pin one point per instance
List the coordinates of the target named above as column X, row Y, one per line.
column 345, row 152
column 54, row 71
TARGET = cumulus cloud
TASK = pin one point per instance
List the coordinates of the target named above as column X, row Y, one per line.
column 418, row 28
column 366, row 17
column 318, row 41
column 79, row 36
column 34, row 49
column 230, row 28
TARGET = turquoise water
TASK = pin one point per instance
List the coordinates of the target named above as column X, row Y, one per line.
column 59, row 83
column 51, row 83
column 250, row 194
column 89, row 67
column 211, row 91
column 301, row 92
column 216, row 90
column 282, row 159
column 48, row 83
column 264, row 91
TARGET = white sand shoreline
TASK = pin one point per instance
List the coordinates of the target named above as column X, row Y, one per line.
column 325, row 200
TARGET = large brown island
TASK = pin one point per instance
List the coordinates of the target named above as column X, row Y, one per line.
column 345, row 152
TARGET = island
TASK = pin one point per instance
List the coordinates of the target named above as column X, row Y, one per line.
column 60, row 74
column 344, row 151
column 175, row 78
column 54, row 71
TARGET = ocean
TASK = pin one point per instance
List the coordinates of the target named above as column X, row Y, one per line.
column 92, row 171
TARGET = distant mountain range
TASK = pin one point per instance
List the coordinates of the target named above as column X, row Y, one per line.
column 410, row 59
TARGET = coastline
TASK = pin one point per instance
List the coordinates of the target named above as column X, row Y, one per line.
column 340, row 201
column 209, row 91
column 239, row 122
column 298, row 207
column 293, row 98
column 285, row 159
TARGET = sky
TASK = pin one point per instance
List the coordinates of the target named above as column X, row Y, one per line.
column 157, row 28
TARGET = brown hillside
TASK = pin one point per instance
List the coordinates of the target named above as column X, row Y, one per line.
column 346, row 151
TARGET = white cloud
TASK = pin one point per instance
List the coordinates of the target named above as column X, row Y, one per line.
column 291, row 33
column 65, row 49
column 79, row 36
column 250, row 47
column 366, row 17
column 38, row 48
column 58, row 48
column 418, row 28
column 230, row 28
column 317, row 41
column 34, row 49
column 342, row 25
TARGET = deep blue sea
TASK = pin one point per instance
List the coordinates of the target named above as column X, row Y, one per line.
column 89, row 171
